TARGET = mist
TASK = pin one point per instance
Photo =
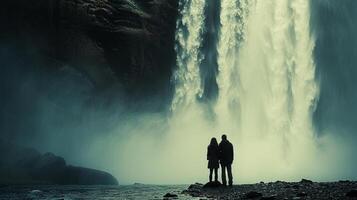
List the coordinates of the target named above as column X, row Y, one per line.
column 138, row 139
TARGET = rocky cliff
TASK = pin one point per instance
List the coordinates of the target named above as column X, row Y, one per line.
column 126, row 42
column 20, row 165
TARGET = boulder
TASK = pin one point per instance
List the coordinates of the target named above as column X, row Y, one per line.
column 195, row 187
column 195, row 190
column 306, row 181
column 170, row 195
column 213, row 184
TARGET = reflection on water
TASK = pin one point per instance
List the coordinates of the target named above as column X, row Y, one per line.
column 136, row 191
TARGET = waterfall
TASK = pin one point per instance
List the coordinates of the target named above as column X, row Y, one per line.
column 190, row 28
column 266, row 81
column 232, row 35
column 266, row 69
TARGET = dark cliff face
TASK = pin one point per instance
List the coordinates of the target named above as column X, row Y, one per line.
column 112, row 42
column 63, row 60
column 20, row 165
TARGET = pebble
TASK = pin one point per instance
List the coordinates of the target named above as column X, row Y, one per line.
column 35, row 191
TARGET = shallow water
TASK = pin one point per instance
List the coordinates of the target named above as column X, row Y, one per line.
column 138, row 191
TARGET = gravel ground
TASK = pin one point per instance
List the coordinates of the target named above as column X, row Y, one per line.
column 305, row 189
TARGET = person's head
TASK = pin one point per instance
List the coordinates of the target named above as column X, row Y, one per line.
column 224, row 137
column 214, row 142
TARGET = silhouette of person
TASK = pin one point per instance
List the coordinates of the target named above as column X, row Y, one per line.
column 213, row 159
column 226, row 160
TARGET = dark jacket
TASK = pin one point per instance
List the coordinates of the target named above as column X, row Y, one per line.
column 226, row 152
column 213, row 157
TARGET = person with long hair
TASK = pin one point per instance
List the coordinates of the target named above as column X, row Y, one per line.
column 213, row 159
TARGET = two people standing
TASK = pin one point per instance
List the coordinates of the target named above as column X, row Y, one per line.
column 221, row 153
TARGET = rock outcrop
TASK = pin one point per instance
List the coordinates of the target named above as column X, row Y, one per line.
column 213, row 184
column 130, row 42
column 25, row 165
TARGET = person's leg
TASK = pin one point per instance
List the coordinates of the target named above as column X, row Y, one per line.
column 230, row 177
column 210, row 174
column 224, row 182
column 216, row 174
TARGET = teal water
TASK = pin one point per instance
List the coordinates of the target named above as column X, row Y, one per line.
column 136, row 191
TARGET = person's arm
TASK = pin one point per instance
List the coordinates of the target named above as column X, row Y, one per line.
column 208, row 153
column 232, row 153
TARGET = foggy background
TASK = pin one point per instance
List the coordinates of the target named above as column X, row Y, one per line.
column 137, row 140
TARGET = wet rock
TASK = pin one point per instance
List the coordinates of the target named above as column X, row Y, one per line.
column 306, row 181
column 344, row 181
column 196, row 185
column 196, row 194
column 301, row 194
column 352, row 194
column 280, row 182
column 213, row 184
column 273, row 197
column 170, row 195
column 35, row 191
column 252, row 195
column 194, row 190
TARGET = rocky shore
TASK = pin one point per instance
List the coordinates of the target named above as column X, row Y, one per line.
column 305, row 189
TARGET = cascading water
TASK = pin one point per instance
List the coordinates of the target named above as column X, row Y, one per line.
column 266, row 79
column 190, row 27
column 232, row 35
column 272, row 77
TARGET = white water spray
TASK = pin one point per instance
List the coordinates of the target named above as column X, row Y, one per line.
column 272, row 81
column 232, row 35
column 189, row 32
column 266, row 81
column 272, row 76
